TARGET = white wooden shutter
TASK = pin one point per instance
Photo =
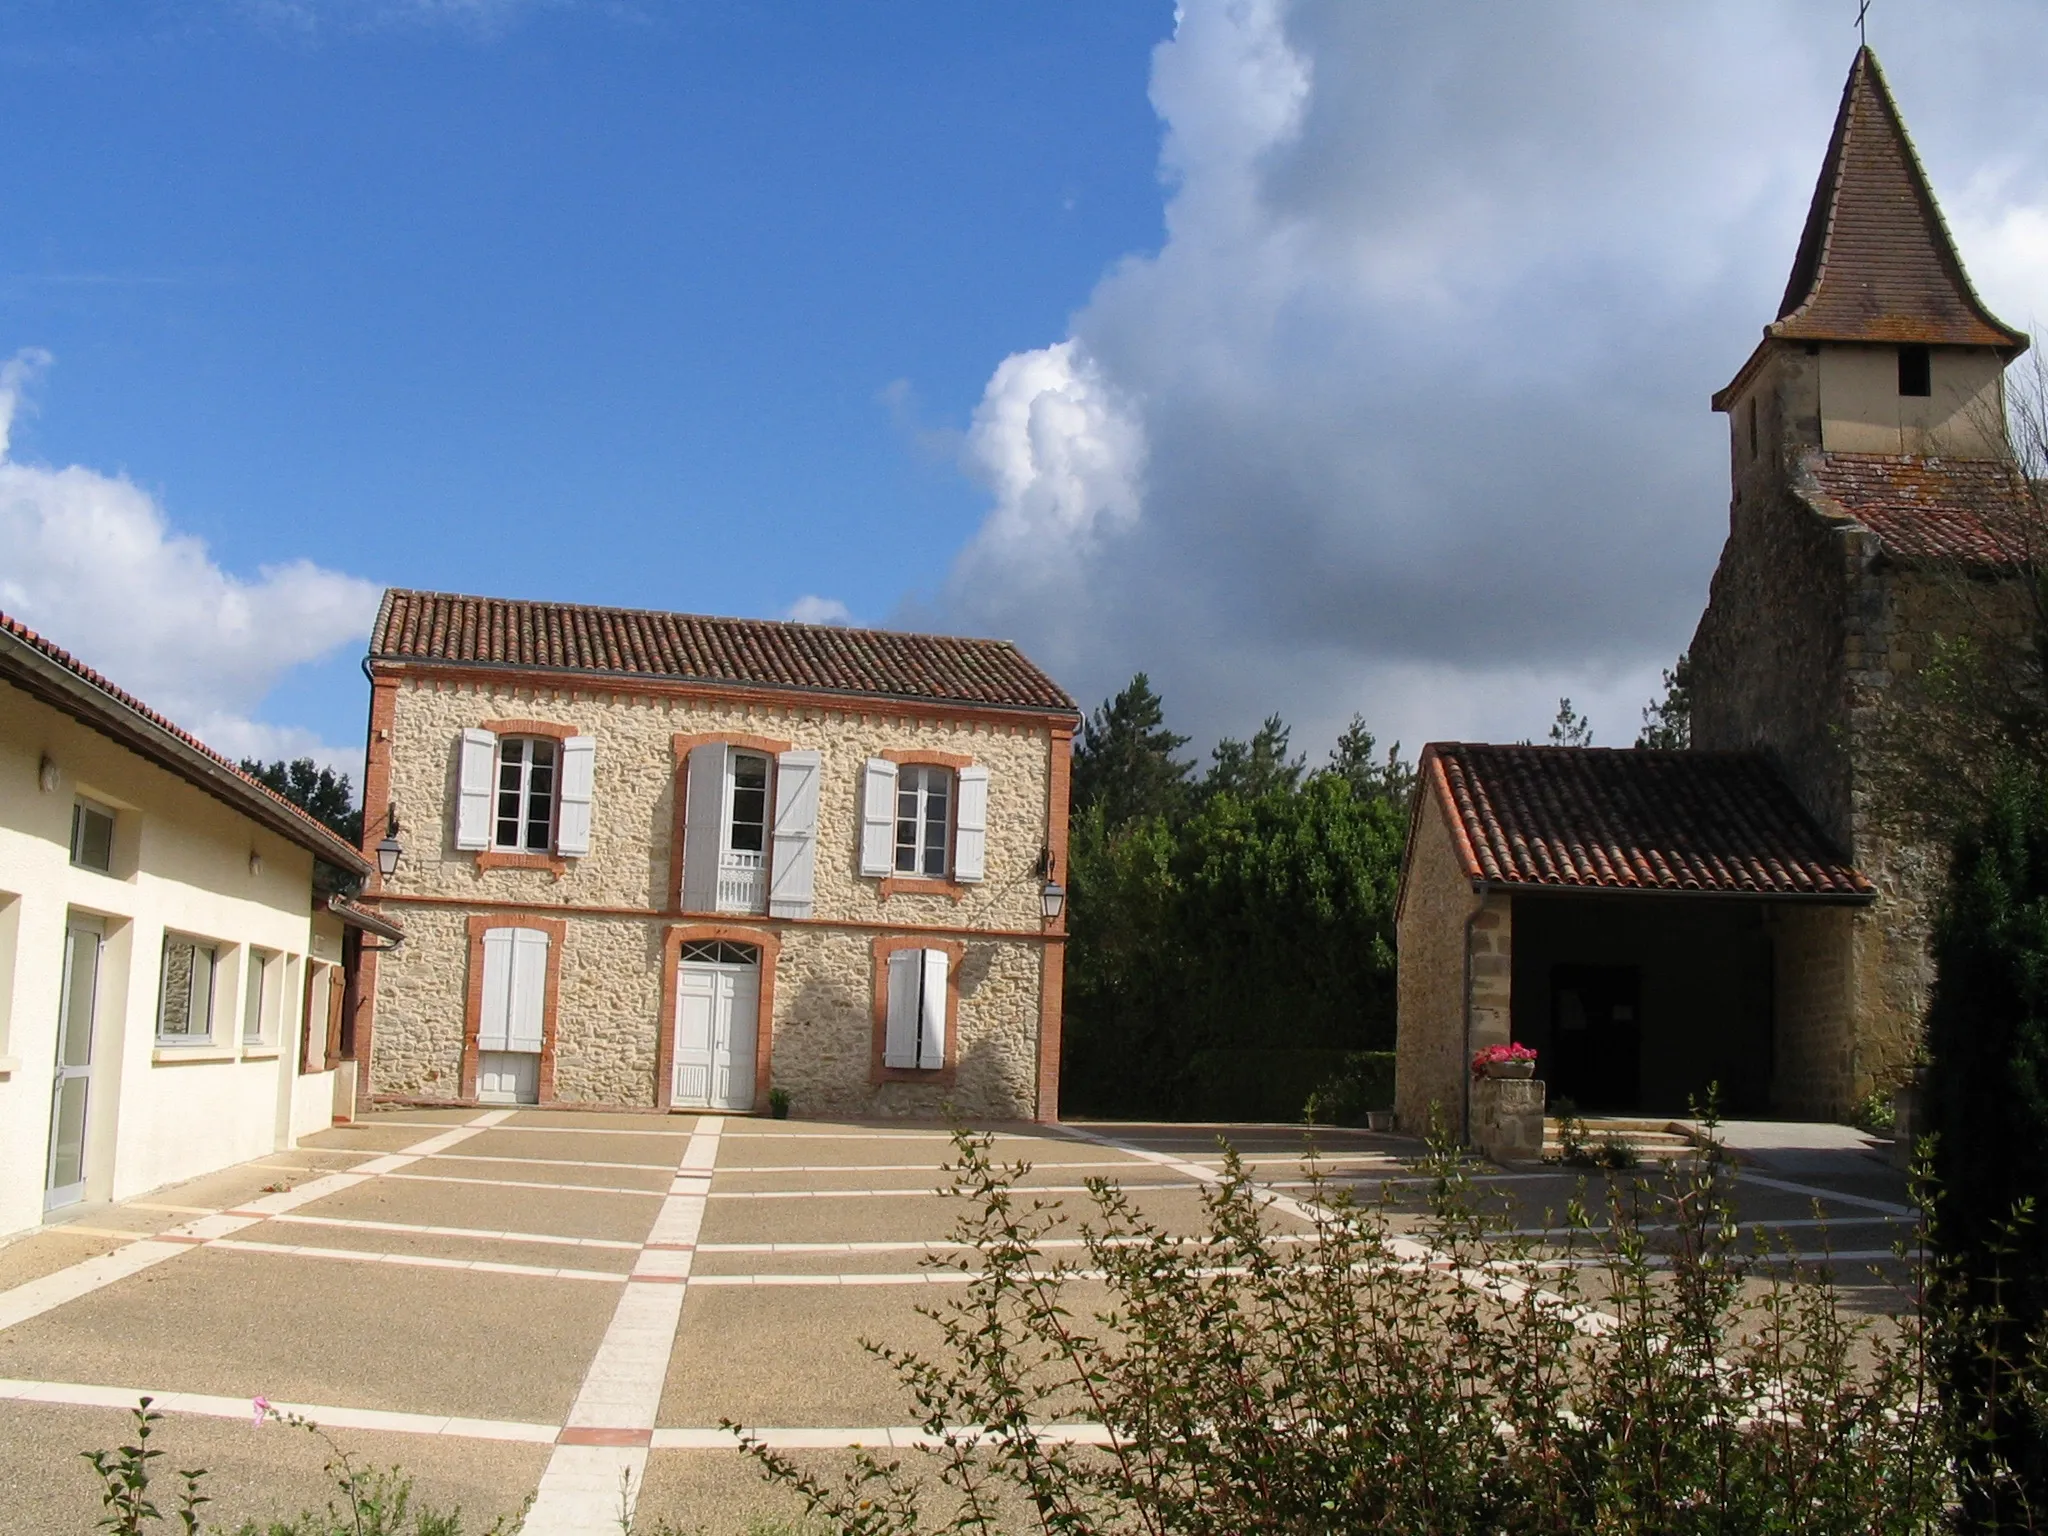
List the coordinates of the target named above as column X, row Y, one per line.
column 572, row 820
column 931, row 1035
column 970, row 824
column 529, row 989
column 899, row 1037
column 796, row 834
column 473, row 789
column 878, row 817
column 494, row 1020
column 703, row 826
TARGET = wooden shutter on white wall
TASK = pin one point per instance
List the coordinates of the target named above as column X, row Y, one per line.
column 899, row 1036
column 703, row 826
column 473, row 790
column 970, row 824
column 526, row 1015
column 791, row 874
column 494, row 1020
column 572, row 821
column 878, row 817
column 931, row 1034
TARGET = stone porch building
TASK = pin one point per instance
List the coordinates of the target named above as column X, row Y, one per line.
column 1651, row 922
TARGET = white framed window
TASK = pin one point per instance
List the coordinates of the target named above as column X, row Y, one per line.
column 524, row 812
column 262, row 992
column 746, row 803
column 924, row 820
column 92, row 836
column 750, row 829
column 184, row 1012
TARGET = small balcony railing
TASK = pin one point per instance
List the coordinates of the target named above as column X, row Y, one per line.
column 742, row 882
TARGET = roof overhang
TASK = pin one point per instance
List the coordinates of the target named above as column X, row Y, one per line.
column 369, row 922
column 1673, row 893
column 44, row 678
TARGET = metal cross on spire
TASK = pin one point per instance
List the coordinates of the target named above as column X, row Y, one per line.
column 1862, row 10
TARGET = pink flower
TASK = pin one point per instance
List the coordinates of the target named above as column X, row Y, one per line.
column 262, row 1406
column 1483, row 1059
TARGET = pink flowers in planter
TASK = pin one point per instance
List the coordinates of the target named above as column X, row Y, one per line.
column 1504, row 1061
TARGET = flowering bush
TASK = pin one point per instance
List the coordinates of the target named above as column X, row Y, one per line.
column 1483, row 1059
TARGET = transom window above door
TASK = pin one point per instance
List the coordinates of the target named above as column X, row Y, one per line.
column 719, row 952
column 525, row 801
column 924, row 797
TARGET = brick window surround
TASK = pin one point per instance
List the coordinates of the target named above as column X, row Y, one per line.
column 682, row 743
column 502, row 858
column 769, row 944
column 955, row 952
column 473, row 996
column 915, row 885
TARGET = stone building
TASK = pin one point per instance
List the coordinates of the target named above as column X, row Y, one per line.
column 1652, row 922
column 658, row 860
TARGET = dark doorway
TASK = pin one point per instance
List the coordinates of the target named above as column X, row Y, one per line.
column 1596, row 1034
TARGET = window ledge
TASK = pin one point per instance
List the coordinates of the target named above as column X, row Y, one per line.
column 167, row 1054
column 259, row 1053
column 905, row 885
column 941, row 1077
column 498, row 858
column 9, row 1064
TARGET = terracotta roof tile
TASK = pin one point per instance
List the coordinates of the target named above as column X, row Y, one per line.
column 447, row 629
column 1875, row 260
column 1623, row 819
column 310, row 833
column 1978, row 511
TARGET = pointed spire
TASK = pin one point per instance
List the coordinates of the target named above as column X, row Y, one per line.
column 1876, row 262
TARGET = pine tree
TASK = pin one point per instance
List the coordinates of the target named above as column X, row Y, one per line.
column 1570, row 728
column 1667, row 722
column 1249, row 769
column 1353, row 759
column 1124, row 762
column 320, row 792
column 1987, row 1091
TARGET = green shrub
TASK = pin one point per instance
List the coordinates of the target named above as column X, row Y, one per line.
column 1656, row 1380
column 1986, row 1103
column 1362, row 1082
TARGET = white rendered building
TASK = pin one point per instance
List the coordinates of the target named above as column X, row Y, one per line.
column 172, row 938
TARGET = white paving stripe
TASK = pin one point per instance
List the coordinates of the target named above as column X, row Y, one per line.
column 544, row 1162
column 328, row 1416
column 1863, row 1202
column 415, row 1260
column 481, row 1234
column 601, row 1458
column 579, row 1189
column 1123, row 1162
column 66, row 1285
column 928, row 1192
column 530, row 1130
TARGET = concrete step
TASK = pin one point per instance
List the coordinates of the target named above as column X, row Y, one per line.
column 1646, row 1138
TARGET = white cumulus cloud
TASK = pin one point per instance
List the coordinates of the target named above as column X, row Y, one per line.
column 811, row 609
column 1408, row 414
column 91, row 561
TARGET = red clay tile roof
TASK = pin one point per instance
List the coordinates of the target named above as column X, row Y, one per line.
column 1624, row 819
column 1875, row 261
column 445, row 629
column 1977, row 511
column 120, row 715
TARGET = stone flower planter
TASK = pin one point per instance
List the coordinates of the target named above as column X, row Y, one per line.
column 1509, row 1070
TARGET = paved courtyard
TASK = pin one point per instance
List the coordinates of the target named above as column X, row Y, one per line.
column 515, row 1303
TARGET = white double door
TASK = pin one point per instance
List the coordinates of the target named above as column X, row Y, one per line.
column 511, row 1028
column 716, row 1017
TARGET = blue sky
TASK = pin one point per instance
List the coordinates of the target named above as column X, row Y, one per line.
column 1316, row 355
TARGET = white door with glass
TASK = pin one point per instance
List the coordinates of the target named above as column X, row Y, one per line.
column 718, row 995
column 509, row 1031
column 64, row 1181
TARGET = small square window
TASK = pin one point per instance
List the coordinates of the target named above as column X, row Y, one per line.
column 1916, row 371
column 92, row 836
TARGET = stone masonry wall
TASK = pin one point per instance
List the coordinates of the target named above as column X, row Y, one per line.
column 1430, row 1060
column 608, row 1022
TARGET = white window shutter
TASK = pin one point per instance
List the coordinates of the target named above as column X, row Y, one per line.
column 796, row 834
column 579, row 773
column 494, row 1019
column 899, row 1036
column 529, row 990
column 473, row 790
column 878, row 817
column 970, row 824
column 931, row 1036
column 704, row 826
